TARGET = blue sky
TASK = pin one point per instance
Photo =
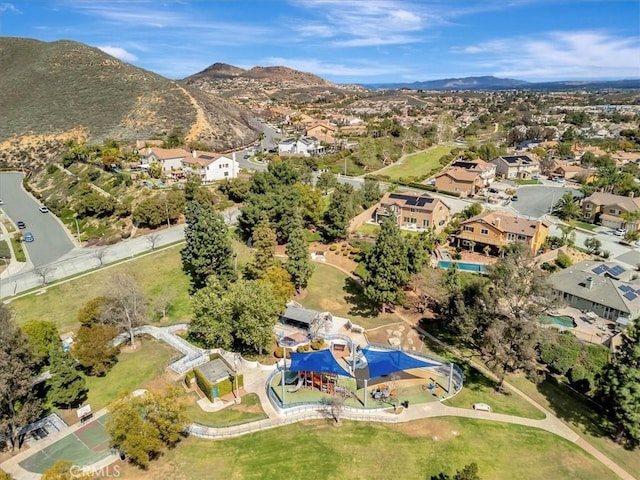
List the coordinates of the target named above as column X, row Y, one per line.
column 345, row 41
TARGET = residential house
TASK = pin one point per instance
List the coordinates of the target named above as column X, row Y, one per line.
column 609, row 210
column 305, row 146
column 211, row 166
column 522, row 167
column 170, row 159
column 410, row 210
column 459, row 181
column 324, row 132
column 497, row 229
column 486, row 170
column 574, row 172
column 605, row 288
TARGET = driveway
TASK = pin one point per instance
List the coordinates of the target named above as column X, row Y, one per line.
column 51, row 240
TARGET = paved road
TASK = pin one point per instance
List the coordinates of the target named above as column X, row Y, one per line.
column 51, row 238
column 536, row 200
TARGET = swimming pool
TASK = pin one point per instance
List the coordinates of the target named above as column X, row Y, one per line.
column 467, row 267
column 560, row 320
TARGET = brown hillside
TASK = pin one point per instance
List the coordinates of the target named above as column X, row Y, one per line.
column 51, row 89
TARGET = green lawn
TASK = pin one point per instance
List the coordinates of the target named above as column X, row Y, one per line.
column 418, row 164
column 587, row 226
column 331, row 290
column 360, row 450
column 157, row 274
column 580, row 416
column 248, row 410
column 133, row 371
column 18, row 250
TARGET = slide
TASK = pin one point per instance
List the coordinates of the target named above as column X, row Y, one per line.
column 298, row 385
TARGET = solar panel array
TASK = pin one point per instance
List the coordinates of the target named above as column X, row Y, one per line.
column 613, row 271
column 630, row 293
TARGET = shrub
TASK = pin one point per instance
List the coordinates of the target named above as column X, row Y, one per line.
column 563, row 261
column 317, row 344
column 278, row 352
column 333, row 248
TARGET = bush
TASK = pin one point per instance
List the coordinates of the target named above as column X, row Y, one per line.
column 303, row 348
column 278, row 352
column 317, row 344
column 333, row 248
column 51, row 169
column 563, row 261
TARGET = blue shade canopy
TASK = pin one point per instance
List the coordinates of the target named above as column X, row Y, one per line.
column 321, row 361
column 384, row 362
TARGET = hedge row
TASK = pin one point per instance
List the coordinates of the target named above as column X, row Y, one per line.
column 225, row 386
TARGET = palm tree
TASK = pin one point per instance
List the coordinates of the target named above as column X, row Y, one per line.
column 568, row 233
column 567, row 208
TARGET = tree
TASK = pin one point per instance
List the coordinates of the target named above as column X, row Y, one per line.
column 311, row 203
column 279, row 282
column 43, row 335
column 93, row 350
column 99, row 255
column 66, row 470
column 208, row 248
column 335, row 408
column 241, row 316
column 370, row 192
column 140, row 427
column 91, row 312
column 568, row 232
column 419, row 249
column 19, row 405
column 339, row 213
column 468, row 472
column 153, row 238
column 43, row 273
column 298, row 262
column 567, row 208
column 326, row 181
column 66, row 386
column 620, row 388
column 387, row 266
column 264, row 243
column 126, row 308
column 164, row 300
column 593, row 245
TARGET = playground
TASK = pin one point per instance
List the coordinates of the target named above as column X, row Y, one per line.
column 86, row 446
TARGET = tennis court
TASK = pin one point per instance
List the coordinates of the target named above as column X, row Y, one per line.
column 85, row 446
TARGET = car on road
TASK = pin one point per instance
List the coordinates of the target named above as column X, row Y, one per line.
column 44, row 209
column 21, row 225
column 559, row 180
column 514, row 198
column 1, row 202
column 483, row 407
column 246, row 155
column 493, row 190
column 620, row 232
column 28, row 237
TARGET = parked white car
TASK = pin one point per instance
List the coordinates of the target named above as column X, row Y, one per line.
column 483, row 407
column 620, row 232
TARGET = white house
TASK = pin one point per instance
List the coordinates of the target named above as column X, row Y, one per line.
column 170, row 159
column 305, row 146
column 211, row 166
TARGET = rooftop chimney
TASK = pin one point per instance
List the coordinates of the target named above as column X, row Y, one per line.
column 496, row 222
column 589, row 282
column 194, row 153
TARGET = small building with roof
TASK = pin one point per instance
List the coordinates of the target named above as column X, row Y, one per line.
column 459, row 181
column 521, row 167
column 413, row 211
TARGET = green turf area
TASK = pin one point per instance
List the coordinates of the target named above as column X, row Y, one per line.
column 86, row 446
column 359, row 450
column 587, row 226
column 132, row 371
column 249, row 410
column 418, row 164
column 331, row 290
column 580, row 416
column 156, row 273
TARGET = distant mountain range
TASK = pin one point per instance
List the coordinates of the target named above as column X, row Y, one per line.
column 495, row 83
column 219, row 71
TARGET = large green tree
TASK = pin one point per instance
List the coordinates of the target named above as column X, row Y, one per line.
column 43, row 335
column 339, row 213
column 141, row 427
column 326, row 181
column 67, row 387
column 264, row 243
column 241, row 316
column 620, row 388
column 208, row 250
column 298, row 262
column 19, row 405
column 387, row 267
column 92, row 348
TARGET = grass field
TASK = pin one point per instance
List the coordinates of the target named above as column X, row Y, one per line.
column 580, row 417
column 418, row 164
column 249, row 410
column 331, row 290
column 358, row 450
column 133, row 370
column 156, row 274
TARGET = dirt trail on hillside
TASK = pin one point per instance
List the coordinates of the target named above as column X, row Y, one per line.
column 201, row 123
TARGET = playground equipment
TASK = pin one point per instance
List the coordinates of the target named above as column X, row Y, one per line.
column 298, row 385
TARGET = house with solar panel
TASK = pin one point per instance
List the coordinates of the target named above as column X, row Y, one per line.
column 609, row 289
column 413, row 211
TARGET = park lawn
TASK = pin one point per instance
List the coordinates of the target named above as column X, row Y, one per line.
column 330, row 290
column 249, row 410
column 134, row 370
column 576, row 413
column 360, row 450
column 478, row 388
column 418, row 164
column 156, row 273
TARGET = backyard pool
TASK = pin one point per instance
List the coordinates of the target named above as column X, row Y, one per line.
column 560, row 320
column 467, row 267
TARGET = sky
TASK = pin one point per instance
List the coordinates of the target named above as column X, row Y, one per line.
column 351, row 41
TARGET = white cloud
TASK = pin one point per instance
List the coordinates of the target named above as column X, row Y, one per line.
column 559, row 55
column 118, row 52
column 8, row 7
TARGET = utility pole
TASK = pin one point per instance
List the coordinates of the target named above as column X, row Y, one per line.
column 166, row 207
